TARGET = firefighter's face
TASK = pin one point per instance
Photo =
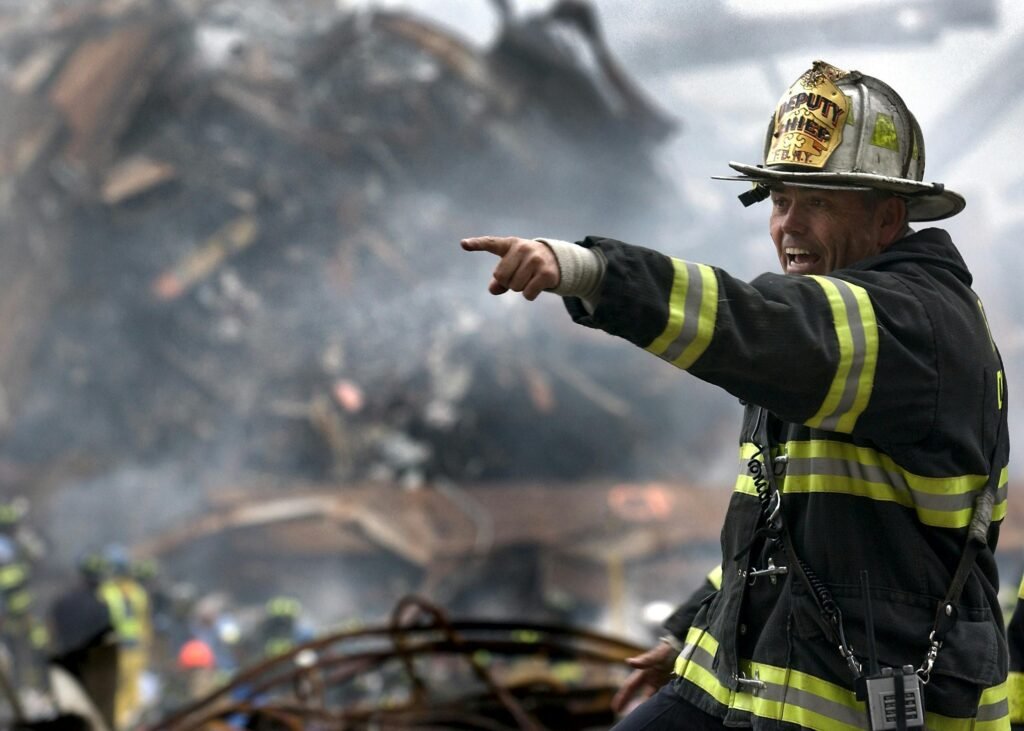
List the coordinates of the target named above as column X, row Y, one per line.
column 817, row 231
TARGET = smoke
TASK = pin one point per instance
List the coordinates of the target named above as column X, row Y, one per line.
column 354, row 275
column 208, row 326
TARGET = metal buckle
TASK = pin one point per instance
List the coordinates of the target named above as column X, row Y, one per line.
column 755, row 685
column 772, row 572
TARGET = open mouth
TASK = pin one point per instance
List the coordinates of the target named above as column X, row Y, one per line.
column 800, row 261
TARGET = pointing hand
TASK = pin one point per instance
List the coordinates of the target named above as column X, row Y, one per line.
column 526, row 265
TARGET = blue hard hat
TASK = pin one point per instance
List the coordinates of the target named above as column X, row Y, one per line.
column 118, row 559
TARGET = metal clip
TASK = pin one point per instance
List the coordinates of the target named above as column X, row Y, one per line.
column 755, row 685
column 925, row 671
column 776, row 508
column 845, row 650
column 851, row 662
column 772, row 572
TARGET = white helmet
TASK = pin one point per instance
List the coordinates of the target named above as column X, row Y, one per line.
column 844, row 129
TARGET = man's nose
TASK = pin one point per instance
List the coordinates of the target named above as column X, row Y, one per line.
column 794, row 220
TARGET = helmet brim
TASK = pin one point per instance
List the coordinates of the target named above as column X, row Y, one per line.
column 925, row 201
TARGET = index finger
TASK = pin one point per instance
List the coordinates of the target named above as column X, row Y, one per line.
column 494, row 244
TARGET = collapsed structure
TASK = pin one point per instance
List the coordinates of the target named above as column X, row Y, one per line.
column 218, row 240
column 235, row 338
column 228, row 278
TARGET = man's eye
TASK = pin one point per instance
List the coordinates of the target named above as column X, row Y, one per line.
column 818, row 202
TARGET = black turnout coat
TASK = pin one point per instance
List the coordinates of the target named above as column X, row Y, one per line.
column 883, row 391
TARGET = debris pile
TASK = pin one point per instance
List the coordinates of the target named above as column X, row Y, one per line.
column 424, row 670
column 234, row 240
column 231, row 259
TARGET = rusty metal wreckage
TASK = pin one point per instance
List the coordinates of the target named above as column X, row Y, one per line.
column 316, row 684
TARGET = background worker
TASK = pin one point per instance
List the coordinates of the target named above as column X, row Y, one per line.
column 873, row 436
column 129, row 611
column 23, row 632
column 281, row 628
column 84, row 642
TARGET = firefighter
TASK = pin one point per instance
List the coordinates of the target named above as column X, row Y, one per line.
column 13, row 524
column 198, row 666
column 858, row 581
column 84, row 641
column 282, row 627
column 24, row 634
column 129, row 611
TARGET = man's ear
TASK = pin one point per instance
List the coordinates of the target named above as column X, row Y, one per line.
column 891, row 216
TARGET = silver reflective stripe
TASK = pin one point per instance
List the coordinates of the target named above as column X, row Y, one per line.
column 691, row 314
column 831, row 467
column 692, row 311
column 994, row 711
column 816, row 704
column 821, row 466
column 779, row 701
column 856, row 331
column 696, row 654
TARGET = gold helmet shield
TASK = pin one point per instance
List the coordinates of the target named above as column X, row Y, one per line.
column 809, row 119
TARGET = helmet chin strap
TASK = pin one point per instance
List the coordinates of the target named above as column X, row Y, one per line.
column 756, row 194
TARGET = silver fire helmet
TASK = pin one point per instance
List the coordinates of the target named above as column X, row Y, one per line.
column 846, row 130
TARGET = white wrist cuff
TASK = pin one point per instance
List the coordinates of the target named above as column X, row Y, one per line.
column 672, row 641
column 582, row 269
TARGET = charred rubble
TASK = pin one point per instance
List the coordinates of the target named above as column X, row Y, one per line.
column 237, row 245
column 230, row 258
column 434, row 672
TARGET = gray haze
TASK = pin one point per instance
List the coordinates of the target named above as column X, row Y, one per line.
column 964, row 83
column 718, row 68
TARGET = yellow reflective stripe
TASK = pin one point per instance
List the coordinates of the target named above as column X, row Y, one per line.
column 706, row 315
column 39, row 636
column 692, row 309
column 824, row 466
column 18, row 602
column 790, row 695
column 12, row 575
column 800, row 699
column 992, row 715
column 694, row 663
column 1020, row 589
column 277, row 646
column 1015, row 696
column 811, row 702
column 695, row 639
column 715, row 576
column 675, row 309
column 123, row 615
column 993, row 709
column 857, row 332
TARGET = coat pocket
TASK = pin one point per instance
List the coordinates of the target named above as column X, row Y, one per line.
column 974, row 650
